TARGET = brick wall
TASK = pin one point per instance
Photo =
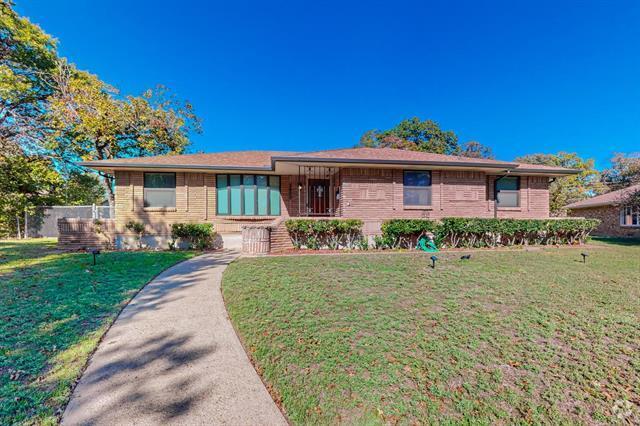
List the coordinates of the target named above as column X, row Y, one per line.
column 377, row 194
column 373, row 195
column 610, row 221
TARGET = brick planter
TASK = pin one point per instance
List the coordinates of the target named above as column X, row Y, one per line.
column 85, row 234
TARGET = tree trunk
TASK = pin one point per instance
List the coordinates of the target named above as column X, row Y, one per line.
column 111, row 196
column 18, row 227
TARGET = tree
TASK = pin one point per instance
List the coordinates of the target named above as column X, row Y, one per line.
column 413, row 134
column 27, row 60
column 569, row 189
column 80, row 189
column 624, row 171
column 90, row 122
column 26, row 182
column 474, row 149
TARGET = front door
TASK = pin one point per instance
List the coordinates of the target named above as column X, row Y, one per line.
column 318, row 201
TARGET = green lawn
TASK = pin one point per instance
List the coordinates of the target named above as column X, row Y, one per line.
column 54, row 308
column 506, row 337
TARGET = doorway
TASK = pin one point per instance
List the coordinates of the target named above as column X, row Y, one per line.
column 318, row 197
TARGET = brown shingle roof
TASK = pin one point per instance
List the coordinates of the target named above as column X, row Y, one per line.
column 400, row 156
column 608, row 199
column 233, row 159
column 393, row 155
column 263, row 160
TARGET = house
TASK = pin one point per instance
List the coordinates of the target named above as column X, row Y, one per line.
column 617, row 220
column 235, row 189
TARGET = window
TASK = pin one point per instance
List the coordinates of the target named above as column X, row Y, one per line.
column 417, row 188
column 160, row 190
column 248, row 195
column 630, row 216
column 508, row 191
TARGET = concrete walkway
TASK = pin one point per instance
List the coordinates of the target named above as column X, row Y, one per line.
column 172, row 357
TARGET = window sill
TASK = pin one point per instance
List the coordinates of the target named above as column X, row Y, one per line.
column 510, row 209
column 418, row 207
column 630, row 226
column 160, row 209
column 239, row 217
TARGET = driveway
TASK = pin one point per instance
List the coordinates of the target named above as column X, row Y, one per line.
column 172, row 357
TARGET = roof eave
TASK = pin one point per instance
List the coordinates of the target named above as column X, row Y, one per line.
column 108, row 165
column 393, row 162
column 589, row 206
column 553, row 172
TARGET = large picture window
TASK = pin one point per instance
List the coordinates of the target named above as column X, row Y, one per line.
column 508, row 191
column 417, row 188
column 160, row 190
column 630, row 216
column 248, row 195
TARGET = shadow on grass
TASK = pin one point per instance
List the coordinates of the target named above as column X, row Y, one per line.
column 618, row 241
column 53, row 310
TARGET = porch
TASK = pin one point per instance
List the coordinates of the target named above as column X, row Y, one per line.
column 315, row 192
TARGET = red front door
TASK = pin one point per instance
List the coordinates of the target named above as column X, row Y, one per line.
column 318, row 197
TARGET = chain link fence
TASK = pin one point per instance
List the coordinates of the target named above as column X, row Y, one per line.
column 44, row 223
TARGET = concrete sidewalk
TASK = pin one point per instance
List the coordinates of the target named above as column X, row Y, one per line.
column 172, row 357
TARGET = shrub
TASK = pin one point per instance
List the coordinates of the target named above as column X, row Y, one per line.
column 477, row 232
column 138, row 229
column 325, row 233
column 198, row 235
column 405, row 233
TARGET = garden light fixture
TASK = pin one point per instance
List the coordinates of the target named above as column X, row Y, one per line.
column 584, row 257
column 433, row 261
column 466, row 257
column 95, row 253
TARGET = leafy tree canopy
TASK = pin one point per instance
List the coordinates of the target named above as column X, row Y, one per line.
column 569, row 189
column 90, row 122
column 423, row 135
column 474, row 149
column 624, row 171
column 26, row 182
column 27, row 59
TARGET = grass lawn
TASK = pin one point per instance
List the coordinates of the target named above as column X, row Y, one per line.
column 54, row 308
column 506, row 337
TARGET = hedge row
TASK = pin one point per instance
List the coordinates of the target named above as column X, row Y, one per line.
column 475, row 232
column 326, row 233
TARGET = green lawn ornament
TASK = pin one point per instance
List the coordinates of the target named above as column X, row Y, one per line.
column 427, row 244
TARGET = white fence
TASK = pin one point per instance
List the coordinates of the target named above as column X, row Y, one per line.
column 45, row 222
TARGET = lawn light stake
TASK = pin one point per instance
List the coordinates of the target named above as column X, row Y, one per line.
column 466, row 257
column 433, row 261
column 95, row 253
column 584, row 257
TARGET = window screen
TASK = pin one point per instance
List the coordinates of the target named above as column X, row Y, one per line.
column 508, row 191
column 417, row 188
column 160, row 190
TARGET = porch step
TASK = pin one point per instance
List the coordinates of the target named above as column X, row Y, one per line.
column 280, row 239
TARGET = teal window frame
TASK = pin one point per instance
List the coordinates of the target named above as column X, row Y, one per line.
column 245, row 197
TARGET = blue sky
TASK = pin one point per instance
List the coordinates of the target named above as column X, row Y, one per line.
column 521, row 77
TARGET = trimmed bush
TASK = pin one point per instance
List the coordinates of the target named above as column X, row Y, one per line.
column 198, row 235
column 325, row 233
column 138, row 229
column 477, row 232
column 405, row 233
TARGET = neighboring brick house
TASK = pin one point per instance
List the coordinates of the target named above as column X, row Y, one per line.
column 232, row 189
column 617, row 220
